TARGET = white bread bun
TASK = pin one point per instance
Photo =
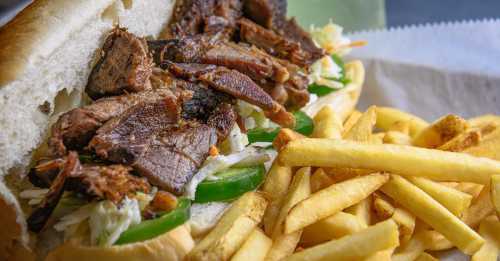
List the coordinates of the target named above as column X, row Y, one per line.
column 50, row 47
column 171, row 246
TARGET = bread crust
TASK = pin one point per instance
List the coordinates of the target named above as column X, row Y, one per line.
column 40, row 29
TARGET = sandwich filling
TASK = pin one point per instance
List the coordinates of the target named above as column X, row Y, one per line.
column 188, row 118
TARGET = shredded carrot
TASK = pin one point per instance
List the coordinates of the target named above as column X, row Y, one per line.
column 355, row 44
column 213, row 151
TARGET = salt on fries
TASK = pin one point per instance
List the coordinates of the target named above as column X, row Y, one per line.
column 376, row 185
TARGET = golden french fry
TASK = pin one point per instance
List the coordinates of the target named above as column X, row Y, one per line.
column 383, row 255
column 285, row 243
column 377, row 138
column 320, row 205
column 232, row 229
column 362, row 130
column 481, row 208
column 364, row 243
column 351, row 120
column 489, row 250
column 333, row 227
column 344, row 100
column 406, row 224
column 492, row 227
column 426, row 257
column 495, row 193
column 255, row 247
column 489, row 146
column 404, row 160
column 411, row 250
column 343, row 174
column 472, row 189
column 396, row 137
column 275, row 186
column 441, row 131
column 320, row 180
column 454, row 200
column 383, row 208
column 386, row 117
column 284, row 136
column 462, row 141
column 486, row 123
column 435, row 241
column 400, row 126
column 327, row 124
column 362, row 210
column 432, row 213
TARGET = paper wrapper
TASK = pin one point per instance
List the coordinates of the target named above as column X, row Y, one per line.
column 433, row 70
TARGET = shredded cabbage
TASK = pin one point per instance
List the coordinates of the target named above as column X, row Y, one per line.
column 330, row 38
column 326, row 72
column 252, row 116
column 218, row 163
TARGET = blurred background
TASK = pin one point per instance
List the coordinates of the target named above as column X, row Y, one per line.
column 357, row 15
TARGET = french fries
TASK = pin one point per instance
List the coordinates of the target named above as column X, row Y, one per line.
column 285, row 243
column 320, row 180
column 382, row 207
column 333, row 227
column 284, row 136
column 255, row 247
column 364, row 243
column 440, row 132
column 406, row 224
column 387, row 117
column 351, row 120
column 489, row 250
column 396, row 137
column 481, row 208
column 462, row 141
column 232, row 230
column 489, row 146
column 454, row 200
column 275, row 187
column 319, row 205
column 426, row 257
column 327, row 124
column 404, row 160
column 410, row 251
column 361, row 131
column 400, row 126
column 362, row 210
column 495, row 193
column 435, row 241
column 431, row 212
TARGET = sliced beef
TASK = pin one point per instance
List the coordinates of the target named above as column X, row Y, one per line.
column 125, row 66
column 292, row 31
column 223, row 120
column 75, row 128
column 112, row 182
column 268, row 13
column 124, row 138
column 273, row 43
column 175, row 155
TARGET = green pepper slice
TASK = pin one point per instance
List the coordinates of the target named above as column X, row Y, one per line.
column 231, row 183
column 152, row 228
column 303, row 124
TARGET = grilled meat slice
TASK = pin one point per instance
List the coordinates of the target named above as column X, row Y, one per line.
column 223, row 120
column 204, row 101
column 104, row 182
column 124, row 138
column 125, row 66
column 75, row 128
column 268, row 13
column 175, row 155
column 292, row 31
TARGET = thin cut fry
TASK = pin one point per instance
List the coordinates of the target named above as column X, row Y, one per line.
column 406, row 223
column 343, row 174
column 400, row 126
column 364, row 243
column 362, row 210
column 486, row 123
column 472, row 189
column 327, row 124
column 435, row 241
column 232, row 230
column 489, row 147
column 361, row 131
column 440, row 132
column 404, row 160
column 333, row 227
column 454, row 200
column 320, row 180
column 319, row 205
column 495, row 193
column 396, row 137
column 426, row 257
column 383, row 255
column 411, row 250
column 462, row 141
column 382, row 207
column 275, row 187
column 489, row 250
column 283, row 246
column 481, row 208
column 284, row 136
column 351, row 120
column 432, row 213
column 254, row 248
column 386, row 117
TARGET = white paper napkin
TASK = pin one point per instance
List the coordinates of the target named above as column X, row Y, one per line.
column 432, row 70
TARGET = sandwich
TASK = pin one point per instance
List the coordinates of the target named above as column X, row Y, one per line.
column 129, row 126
